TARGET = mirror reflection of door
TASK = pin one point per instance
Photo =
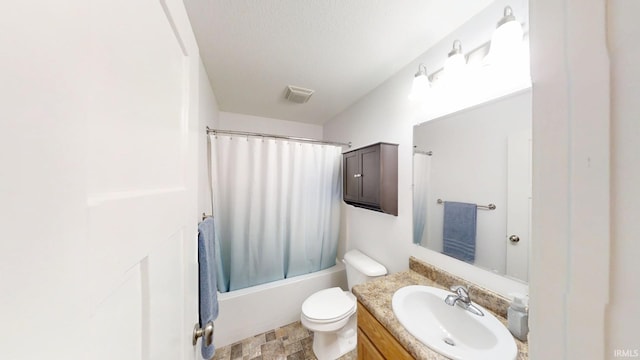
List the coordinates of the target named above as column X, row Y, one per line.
column 518, row 205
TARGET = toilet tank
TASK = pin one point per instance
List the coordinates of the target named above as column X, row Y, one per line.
column 361, row 268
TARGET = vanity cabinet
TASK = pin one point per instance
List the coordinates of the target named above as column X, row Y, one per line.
column 374, row 341
column 371, row 177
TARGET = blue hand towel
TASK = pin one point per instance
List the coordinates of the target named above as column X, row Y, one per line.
column 459, row 233
column 207, row 279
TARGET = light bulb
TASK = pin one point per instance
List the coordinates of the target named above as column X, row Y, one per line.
column 506, row 41
column 421, row 84
column 455, row 65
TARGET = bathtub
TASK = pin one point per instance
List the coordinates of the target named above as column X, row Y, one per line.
column 251, row 311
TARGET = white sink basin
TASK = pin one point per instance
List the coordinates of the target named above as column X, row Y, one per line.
column 451, row 330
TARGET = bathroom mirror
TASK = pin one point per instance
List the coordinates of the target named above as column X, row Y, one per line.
column 482, row 156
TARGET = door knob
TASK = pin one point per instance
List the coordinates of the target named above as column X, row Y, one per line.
column 205, row 333
column 514, row 238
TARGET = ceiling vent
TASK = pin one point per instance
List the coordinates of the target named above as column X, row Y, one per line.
column 298, row 95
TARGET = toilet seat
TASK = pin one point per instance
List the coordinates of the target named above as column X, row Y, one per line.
column 329, row 305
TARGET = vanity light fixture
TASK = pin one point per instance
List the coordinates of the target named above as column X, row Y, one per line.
column 421, row 84
column 507, row 38
column 456, row 62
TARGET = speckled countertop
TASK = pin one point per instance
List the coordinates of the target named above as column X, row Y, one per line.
column 376, row 297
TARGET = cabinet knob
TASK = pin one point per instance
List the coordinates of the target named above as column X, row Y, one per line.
column 514, row 238
column 357, row 175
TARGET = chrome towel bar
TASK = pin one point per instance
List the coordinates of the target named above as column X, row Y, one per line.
column 486, row 207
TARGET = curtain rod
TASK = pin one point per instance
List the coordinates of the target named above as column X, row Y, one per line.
column 244, row 133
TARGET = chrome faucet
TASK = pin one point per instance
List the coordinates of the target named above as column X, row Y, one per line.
column 463, row 300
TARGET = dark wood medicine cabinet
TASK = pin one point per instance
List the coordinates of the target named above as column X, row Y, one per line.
column 370, row 177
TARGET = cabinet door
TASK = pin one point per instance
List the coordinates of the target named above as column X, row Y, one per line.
column 379, row 341
column 351, row 176
column 370, row 178
column 366, row 349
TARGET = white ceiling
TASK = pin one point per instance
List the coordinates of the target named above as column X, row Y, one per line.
column 342, row 49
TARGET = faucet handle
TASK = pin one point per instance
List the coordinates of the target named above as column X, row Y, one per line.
column 462, row 291
column 455, row 288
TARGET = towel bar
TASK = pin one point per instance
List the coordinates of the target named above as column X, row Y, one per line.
column 206, row 334
column 204, row 216
column 487, row 207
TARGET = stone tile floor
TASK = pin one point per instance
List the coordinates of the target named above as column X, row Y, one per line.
column 290, row 342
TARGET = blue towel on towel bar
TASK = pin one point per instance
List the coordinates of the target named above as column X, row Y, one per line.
column 459, row 233
column 207, row 279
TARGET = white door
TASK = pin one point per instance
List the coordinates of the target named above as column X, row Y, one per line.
column 518, row 205
column 98, row 184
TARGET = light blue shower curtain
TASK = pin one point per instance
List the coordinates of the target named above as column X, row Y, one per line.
column 276, row 206
column 421, row 174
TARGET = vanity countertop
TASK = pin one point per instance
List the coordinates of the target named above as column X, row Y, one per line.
column 376, row 296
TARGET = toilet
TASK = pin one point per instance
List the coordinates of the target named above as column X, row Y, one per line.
column 331, row 313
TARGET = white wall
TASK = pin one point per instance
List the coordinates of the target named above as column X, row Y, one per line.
column 208, row 116
column 258, row 124
column 623, row 312
column 386, row 114
column 469, row 164
column 99, row 180
column 570, row 268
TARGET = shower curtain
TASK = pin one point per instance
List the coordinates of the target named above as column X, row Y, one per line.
column 276, row 208
column 421, row 174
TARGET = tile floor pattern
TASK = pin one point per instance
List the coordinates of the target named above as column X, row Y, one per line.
column 290, row 342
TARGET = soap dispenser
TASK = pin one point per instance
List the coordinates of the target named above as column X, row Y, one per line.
column 518, row 318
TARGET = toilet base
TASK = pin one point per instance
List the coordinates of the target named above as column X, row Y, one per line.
column 332, row 345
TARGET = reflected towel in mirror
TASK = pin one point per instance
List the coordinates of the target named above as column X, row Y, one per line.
column 459, row 231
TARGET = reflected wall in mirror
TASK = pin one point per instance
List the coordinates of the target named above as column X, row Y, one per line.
column 482, row 156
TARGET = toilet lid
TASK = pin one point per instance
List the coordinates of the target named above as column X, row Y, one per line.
column 328, row 304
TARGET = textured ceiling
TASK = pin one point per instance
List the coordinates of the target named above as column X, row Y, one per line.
column 342, row 49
